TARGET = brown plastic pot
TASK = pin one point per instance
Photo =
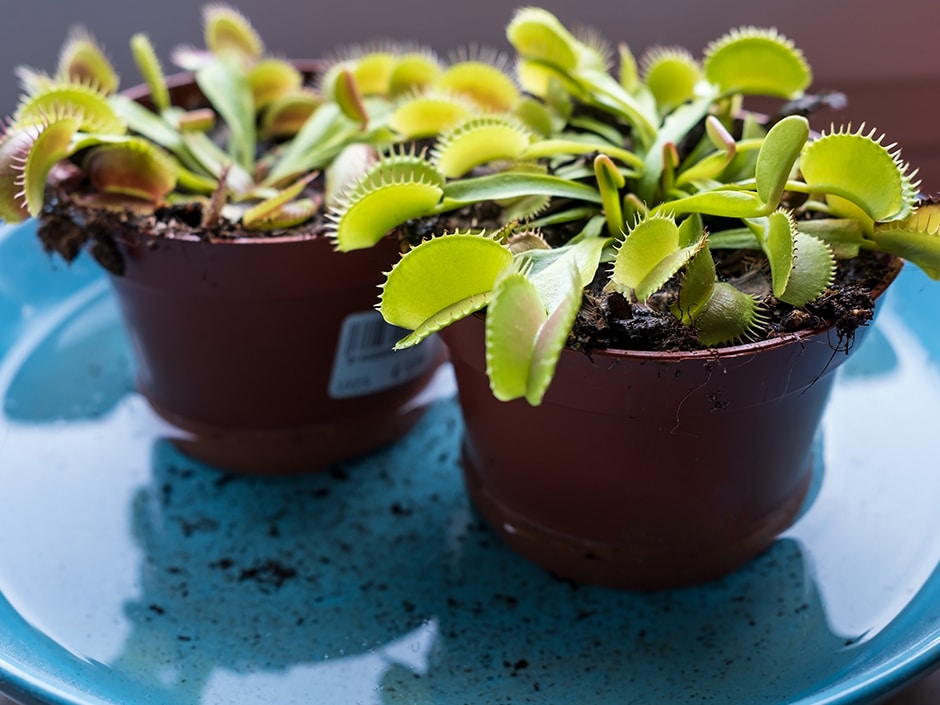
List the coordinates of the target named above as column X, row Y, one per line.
column 647, row 470
column 240, row 344
column 267, row 353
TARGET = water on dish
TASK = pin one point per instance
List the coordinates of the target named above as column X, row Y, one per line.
column 375, row 582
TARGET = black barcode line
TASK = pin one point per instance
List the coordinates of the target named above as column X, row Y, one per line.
column 367, row 337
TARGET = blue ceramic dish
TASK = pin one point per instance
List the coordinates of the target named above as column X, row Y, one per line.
column 131, row 574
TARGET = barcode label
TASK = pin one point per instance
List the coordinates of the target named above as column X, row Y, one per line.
column 365, row 362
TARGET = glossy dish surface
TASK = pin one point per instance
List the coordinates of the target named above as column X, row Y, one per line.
column 132, row 574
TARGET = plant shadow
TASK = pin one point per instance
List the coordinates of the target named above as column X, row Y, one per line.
column 378, row 571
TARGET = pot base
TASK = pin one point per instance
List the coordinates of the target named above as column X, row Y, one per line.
column 303, row 449
column 643, row 564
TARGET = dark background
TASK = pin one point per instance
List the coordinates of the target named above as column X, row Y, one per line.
column 885, row 55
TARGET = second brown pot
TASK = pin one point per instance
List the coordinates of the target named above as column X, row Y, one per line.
column 648, row 470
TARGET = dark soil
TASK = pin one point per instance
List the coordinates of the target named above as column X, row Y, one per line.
column 66, row 226
column 610, row 320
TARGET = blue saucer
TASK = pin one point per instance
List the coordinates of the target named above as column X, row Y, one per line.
column 132, row 574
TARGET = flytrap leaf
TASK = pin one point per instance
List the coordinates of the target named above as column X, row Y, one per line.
column 51, row 145
column 551, row 270
column 749, row 60
column 802, row 266
column 413, row 72
column 441, row 281
column 90, row 108
column 14, row 146
column 271, row 79
column 778, row 244
column 728, row 316
column 229, row 93
column 538, row 35
column 227, row 31
column 814, row 268
column 649, row 256
column 393, row 191
column 858, row 168
column 287, row 114
column 485, row 84
column 148, row 64
column 82, row 61
column 268, row 212
column 480, row 140
column 524, row 339
column 778, row 153
column 672, row 75
column 917, row 238
column 134, row 167
column 429, row 114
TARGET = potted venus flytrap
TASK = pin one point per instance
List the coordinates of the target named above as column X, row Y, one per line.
column 203, row 195
column 645, row 290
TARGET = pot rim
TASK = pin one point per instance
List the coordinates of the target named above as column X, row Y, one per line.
column 742, row 349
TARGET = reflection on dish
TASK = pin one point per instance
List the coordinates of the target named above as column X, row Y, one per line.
column 171, row 582
column 865, row 562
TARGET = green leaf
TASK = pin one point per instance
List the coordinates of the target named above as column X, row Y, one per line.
column 393, row 191
column 609, row 182
column 524, row 339
column 551, row 270
column 757, row 62
column 844, row 235
column 227, row 31
column 549, row 344
column 514, row 317
column 814, row 268
column 287, row 114
column 672, row 75
column 697, row 286
column 537, row 34
column 90, row 108
column 325, row 126
column 228, row 91
column 676, row 126
column 442, row 280
column 779, row 244
column 51, row 145
column 428, row 115
column 728, row 316
column 150, row 70
column 349, row 99
column 730, row 204
column 648, row 243
column 515, row 185
column 146, row 123
column 777, row 155
column 483, row 83
column 134, row 167
column 271, row 79
column 413, row 72
column 691, row 230
column 858, row 168
column 213, row 161
column 917, row 239
column 479, row 140
column 14, row 146
column 268, row 208
column 81, row 60
column 288, row 215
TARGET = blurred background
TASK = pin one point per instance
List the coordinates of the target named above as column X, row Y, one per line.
column 885, row 56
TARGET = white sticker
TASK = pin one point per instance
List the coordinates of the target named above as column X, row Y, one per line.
column 365, row 362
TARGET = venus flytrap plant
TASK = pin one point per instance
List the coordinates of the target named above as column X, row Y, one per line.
column 248, row 158
column 655, row 178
